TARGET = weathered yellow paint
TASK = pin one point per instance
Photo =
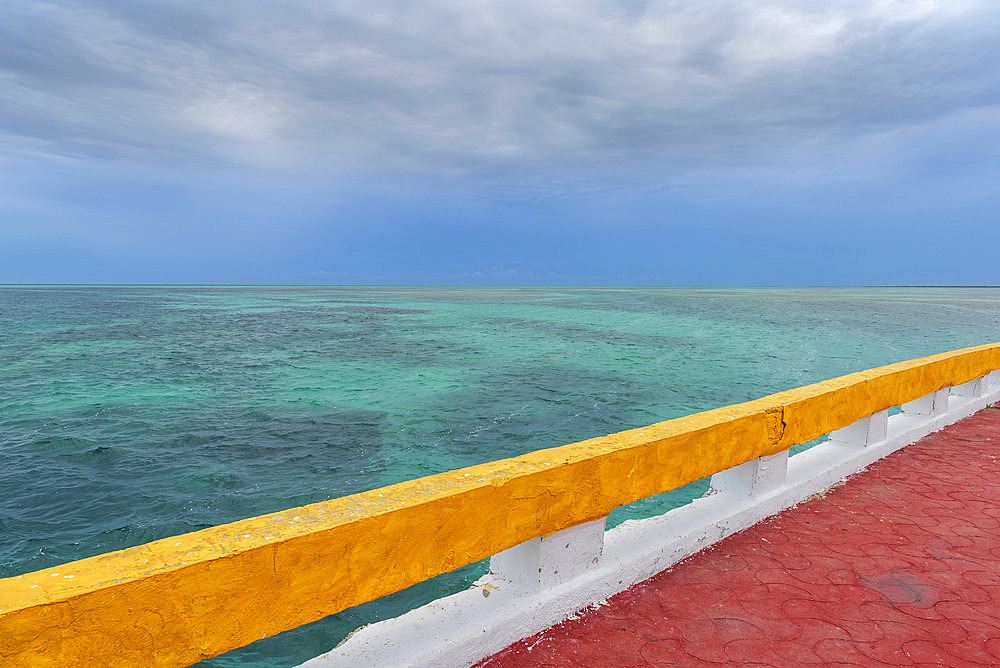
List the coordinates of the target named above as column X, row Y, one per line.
column 176, row 601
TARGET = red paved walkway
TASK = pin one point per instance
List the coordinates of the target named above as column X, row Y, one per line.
column 899, row 566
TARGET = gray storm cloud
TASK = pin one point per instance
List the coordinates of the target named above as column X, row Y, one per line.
column 468, row 84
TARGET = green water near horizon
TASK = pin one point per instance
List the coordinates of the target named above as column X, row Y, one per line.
column 129, row 414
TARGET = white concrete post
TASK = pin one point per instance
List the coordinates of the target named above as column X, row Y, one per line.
column 974, row 388
column 461, row 629
column 933, row 404
column 546, row 561
column 866, row 431
column 757, row 476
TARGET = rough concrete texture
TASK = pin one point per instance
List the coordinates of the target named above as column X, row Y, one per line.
column 899, row 566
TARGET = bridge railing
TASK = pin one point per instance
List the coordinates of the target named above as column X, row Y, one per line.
column 179, row 600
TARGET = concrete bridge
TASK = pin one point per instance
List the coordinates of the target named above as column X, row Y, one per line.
column 899, row 566
column 540, row 517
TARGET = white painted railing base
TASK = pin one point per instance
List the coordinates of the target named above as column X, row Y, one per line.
column 462, row 629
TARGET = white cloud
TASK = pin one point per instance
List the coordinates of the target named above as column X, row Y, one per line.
column 484, row 85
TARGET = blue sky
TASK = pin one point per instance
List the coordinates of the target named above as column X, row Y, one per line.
column 834, row 142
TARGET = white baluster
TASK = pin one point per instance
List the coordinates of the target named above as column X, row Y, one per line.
column 757, row 476
column 974, row 388
column 547, row 561
column 933, row 404
column 866, row 431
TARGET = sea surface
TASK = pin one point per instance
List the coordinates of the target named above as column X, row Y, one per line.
column 129, row 414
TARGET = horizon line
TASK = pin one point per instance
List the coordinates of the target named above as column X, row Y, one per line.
column 473, row 285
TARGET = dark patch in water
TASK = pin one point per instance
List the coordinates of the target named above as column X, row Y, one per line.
column 217, row 470
column 353, row 301
column 525, row 407
column 382, row 310
column 590, row 334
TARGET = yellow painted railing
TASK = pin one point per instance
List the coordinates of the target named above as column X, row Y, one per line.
column 176, row 601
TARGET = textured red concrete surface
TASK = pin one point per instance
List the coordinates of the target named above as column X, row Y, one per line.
column 899, row 566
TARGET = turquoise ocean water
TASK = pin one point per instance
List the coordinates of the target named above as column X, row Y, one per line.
column 129, row 414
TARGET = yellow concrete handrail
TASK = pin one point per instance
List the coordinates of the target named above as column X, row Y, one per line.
column 176, row 601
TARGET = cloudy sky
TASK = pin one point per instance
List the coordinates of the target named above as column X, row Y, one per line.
column 766, row 142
